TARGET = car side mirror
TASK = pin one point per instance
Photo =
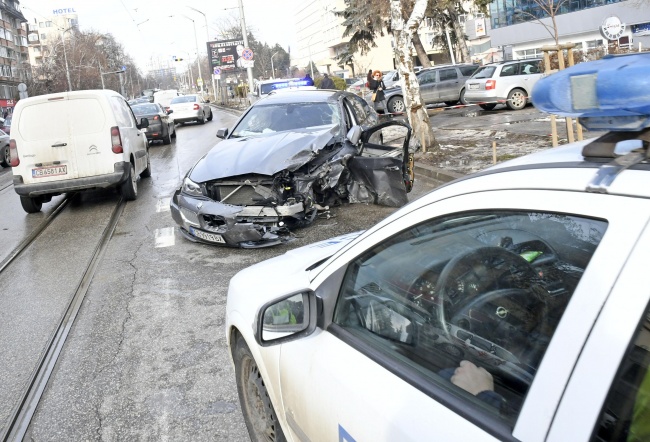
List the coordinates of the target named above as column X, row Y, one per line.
column 222, row 133
column 286, row 319
column 144, row 122
column 354, row 134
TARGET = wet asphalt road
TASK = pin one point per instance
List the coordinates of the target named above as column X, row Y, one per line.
column 146, row 358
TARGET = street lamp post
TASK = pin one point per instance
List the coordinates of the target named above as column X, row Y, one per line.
column 207, row 36
column 311, row 63
column 272, row 69
column 198, row 57
column 65, row 57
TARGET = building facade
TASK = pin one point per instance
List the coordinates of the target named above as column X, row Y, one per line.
column 520, row 28
column 14, row 60
column 44, row 31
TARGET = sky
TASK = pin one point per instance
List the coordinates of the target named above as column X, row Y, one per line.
column 145, row 28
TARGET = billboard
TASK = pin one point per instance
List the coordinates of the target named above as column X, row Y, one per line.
column 225, row 54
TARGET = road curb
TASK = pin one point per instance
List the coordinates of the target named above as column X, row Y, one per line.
column 435, row 173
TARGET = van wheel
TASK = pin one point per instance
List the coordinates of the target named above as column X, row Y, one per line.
column 129, row 188
column 462, row 97
column 4, row 156
column 202, row 120
column 173, row 131
column 31, row 205
column 211, row 116
column 146, row 173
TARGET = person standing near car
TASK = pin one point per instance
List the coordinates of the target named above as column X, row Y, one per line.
column 327, row 83
column 377, row 87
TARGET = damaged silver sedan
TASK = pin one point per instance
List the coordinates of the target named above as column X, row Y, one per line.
column 290, row 156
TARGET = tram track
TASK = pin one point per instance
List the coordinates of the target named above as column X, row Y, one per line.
column 21, row 416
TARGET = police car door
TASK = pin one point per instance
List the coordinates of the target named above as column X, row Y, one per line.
column 377, row 368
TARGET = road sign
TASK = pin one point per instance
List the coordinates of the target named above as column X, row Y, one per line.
column 247, row 54
column 247, row 63
column 124, row 68
column 217, row 71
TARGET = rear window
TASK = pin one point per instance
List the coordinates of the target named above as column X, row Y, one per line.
column 51, row 119
column 142, row 109
column 183, row 99
column 467, row 70
column 484, row 72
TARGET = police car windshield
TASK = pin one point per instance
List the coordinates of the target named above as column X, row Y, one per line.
column 287, row 116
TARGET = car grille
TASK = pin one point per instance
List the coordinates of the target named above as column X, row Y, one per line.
column 238, row 191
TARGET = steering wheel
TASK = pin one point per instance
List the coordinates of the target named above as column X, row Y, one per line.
column 471, row 280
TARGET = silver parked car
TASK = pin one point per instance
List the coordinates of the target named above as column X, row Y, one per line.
column 191, row 108
column 510, row 82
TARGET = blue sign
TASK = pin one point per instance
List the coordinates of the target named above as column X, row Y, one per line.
column 124, row 68
column 217, row 71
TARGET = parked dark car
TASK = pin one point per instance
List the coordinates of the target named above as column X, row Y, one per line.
column 289, row 157
column 161, row 123
column 440, row 84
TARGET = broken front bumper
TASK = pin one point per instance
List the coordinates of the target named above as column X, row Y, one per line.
column 211, row 222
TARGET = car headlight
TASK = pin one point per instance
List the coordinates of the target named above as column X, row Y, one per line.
column 191, row 188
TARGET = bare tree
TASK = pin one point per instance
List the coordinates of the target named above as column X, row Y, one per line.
column 403, row 35
column 546, row 9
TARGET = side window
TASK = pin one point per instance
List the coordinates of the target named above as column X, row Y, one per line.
column 469, row 302
column 427, row 77
column 363, row 112
column 530, row 67
column 509, row 70
column 626, row 414
column 448, row 74
column 122, row 112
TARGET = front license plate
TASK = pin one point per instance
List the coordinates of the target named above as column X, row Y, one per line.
column 473, row 86
column 212, row 237
column 42, row 172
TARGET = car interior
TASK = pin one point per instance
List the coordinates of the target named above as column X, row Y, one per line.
column 490, row 288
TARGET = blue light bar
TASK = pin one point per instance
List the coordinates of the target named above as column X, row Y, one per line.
column 610, row 94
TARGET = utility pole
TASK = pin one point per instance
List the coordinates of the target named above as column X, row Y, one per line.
column 245, row 34
column 207, row 36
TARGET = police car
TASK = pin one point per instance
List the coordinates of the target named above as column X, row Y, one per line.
column 264, row 87
column 508, row 305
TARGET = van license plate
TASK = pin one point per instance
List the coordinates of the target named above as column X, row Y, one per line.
column 42, row 172
column 212, row 237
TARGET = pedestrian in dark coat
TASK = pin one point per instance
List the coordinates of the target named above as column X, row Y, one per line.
column 327, row 83
column 377, row 87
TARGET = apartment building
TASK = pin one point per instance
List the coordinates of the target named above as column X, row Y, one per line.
column 42, row 31
column 14, row 61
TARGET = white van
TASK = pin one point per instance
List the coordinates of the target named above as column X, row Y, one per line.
column 72, row 141
column 165, row 97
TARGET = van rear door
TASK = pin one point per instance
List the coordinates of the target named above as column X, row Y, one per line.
column 65, row 138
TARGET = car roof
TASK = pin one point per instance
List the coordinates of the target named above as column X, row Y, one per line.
column 301, row 96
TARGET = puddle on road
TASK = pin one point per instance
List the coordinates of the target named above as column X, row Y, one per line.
column 164, row 237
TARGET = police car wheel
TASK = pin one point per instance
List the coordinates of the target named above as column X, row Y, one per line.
column 259, row 415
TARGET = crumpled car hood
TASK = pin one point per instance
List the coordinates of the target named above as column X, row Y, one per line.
column 264, row 155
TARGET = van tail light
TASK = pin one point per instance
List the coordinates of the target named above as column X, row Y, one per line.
column 116, row 140
column 196, row 106
column 13, row 154
column 156, row 117
column 490, row 84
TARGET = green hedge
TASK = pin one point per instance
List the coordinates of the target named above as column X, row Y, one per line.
column 339, row 83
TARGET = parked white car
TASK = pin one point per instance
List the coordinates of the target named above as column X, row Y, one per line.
column 509, row 82
column 509, row 305
column 193, row 107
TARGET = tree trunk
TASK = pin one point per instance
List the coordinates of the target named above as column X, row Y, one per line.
column 403, row 35
column 422, row 53
column 460, row 36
